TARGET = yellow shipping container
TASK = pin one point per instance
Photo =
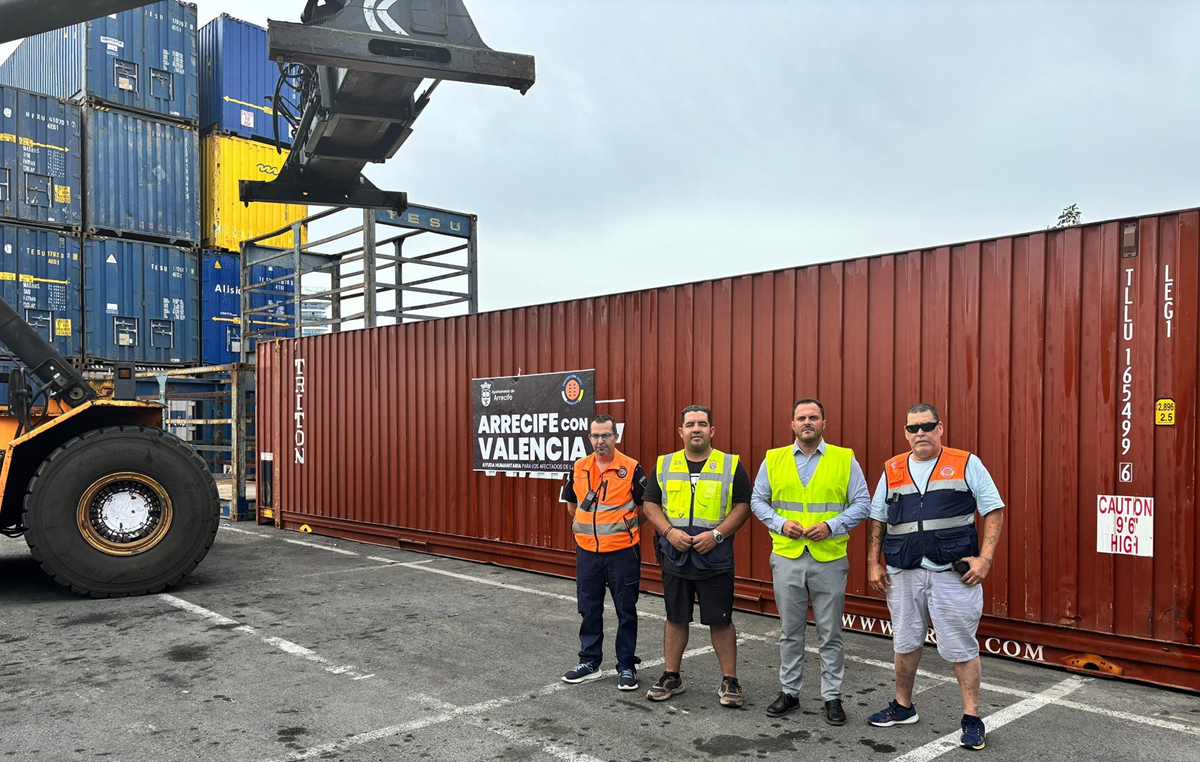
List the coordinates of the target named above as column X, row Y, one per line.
column 225, row 220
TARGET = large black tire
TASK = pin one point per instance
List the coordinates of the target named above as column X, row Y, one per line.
column 123, row 510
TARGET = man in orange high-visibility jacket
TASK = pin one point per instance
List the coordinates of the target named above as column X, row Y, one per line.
column 602, row 495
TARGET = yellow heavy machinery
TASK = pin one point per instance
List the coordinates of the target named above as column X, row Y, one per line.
column 109, row 503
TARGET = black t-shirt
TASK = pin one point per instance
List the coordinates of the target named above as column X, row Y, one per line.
column 742, row 489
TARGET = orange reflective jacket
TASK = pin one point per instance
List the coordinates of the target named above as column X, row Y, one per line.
column 612, row 522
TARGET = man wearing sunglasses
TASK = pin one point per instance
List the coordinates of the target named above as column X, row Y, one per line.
column 923, row 521
column 602, row 495
column 810, row 495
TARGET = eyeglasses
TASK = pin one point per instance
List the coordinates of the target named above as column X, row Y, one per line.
column 913, row 428
column 600, row 437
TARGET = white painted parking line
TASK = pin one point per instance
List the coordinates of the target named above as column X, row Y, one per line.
column 318, row 546
column 286, row 646
column 996, row 720
column 491, row 582
column 1153, row 722
column 394, row 562
column 259, row 535
column 329, row 572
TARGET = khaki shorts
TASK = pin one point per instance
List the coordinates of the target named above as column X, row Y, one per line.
column 916, row 596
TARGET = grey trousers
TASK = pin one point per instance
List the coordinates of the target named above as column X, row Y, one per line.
column 798, row 581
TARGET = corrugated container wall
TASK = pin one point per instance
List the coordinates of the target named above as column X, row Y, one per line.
column 142, row 59
column 221, row 306
column 1046, row 353
column 40, row 167
column 226, row 220
column 141, row 176
column 237, row 81
column 141, row 302
column 39, row 277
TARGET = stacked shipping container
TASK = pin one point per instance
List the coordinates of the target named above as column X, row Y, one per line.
column 129, row 183
column 238, row 121
column 40, row 166
column 221, row 287
column 142, row 60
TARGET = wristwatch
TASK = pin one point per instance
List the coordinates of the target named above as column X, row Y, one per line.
column 720, row 538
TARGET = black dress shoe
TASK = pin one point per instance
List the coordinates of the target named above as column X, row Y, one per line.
column 784, row 704
column 834, row 714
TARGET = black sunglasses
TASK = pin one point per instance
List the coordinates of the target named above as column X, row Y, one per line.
column 913, row 428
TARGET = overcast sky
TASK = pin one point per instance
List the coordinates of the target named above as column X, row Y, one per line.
column 674, row 141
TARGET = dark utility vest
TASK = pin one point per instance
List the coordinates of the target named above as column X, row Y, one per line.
column 940, row 524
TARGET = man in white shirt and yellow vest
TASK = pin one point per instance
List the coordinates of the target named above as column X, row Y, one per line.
column 810, row 495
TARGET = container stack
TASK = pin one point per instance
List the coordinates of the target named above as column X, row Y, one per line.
column 242, row 139
column 128, row 85
column 40, row 215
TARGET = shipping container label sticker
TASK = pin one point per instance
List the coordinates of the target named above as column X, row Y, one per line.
column 112, row 259
column 25, row 278
column 1164, row 412
column 247, row 118
column 1125, row 525
column 124, row 83
column 7, row 113
column 8, row 276
column 8, row 248
column 7, row 137
column 112, row 309
column 62, row 194
column 62, row 327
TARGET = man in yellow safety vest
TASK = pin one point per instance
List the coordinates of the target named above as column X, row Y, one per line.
column 810, row 495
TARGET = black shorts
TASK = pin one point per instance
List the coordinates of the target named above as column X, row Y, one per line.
column 715, row 594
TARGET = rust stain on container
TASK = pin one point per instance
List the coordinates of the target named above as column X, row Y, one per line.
column 1045, row 353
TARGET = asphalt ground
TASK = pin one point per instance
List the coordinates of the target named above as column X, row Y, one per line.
column 288, row 646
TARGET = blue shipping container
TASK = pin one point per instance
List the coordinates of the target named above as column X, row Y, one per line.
column 221, row 306
column 141, row 302
column 40, row 166
column 141, row 176
column 39, row 277
column 143, row 59
column 237, row 81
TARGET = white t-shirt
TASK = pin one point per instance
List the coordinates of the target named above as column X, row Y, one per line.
column 987, row 497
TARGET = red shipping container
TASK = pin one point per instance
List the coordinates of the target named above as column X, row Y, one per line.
column 1054, row 355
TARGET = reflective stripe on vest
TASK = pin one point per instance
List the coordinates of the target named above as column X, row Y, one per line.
column 707, row 505
column 824, row 498
column 938, row 524
column 612, row 524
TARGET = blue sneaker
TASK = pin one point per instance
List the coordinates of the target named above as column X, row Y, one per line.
column 973, row 732
column 582, row 672
column 627, row 680
column 896, row 715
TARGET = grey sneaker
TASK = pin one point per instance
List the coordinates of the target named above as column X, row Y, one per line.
column 582, row 672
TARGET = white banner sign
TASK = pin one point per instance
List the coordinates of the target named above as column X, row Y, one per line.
column 1125, row 525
